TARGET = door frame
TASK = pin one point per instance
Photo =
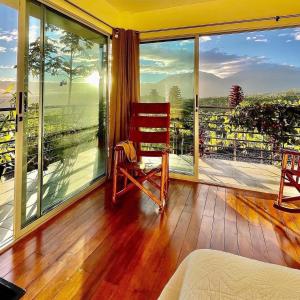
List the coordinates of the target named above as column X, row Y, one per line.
column 195, row 176
column 23, row 28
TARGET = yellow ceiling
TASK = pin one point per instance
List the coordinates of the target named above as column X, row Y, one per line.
column 144, row 5
column 144, row 15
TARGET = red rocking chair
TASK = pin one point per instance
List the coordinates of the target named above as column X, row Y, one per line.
column 149, row 124
column 290, row 176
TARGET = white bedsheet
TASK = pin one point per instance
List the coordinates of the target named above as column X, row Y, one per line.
column 210, row 274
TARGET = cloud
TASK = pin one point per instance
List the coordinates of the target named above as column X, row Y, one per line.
column 257, row 38
column 297, row 36
column 186, row 42
column 261, row 40
column 7, row 66
column 205, row 38
column 174, row 60
column 170, row 58
column 2, row 49
column 283, row 34
column 224, row 65
column 167, row 58
column 9, row 36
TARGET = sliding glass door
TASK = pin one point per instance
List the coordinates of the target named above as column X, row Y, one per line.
column 249, row 106
column 8, row 80
column 221, row 88
column 167, row 75
column 64, row 126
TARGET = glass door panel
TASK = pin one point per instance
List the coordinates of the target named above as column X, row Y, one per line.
column 31, row 116
column 245, row 77
column 65, row 112
column 8, row 80
column 167, row 74
column 74, row 98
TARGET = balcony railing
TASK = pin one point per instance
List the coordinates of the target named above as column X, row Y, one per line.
column 63, row 130
column 7, row 141
column 218, row 139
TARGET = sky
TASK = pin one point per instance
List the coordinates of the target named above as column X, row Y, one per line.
column 8, row 42
column 223, row 55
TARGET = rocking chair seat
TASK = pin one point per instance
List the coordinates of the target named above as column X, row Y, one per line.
column 136, row 166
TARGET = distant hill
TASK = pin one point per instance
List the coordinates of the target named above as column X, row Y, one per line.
column 265, row 80
column 54, row 94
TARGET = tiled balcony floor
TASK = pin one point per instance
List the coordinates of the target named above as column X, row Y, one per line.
column 61, row 180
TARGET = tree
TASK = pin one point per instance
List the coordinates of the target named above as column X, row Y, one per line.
column 174, row 94
column 60, row 56
column 154, row 96
column 74, row 46
column 236, row 96
column 51, row 66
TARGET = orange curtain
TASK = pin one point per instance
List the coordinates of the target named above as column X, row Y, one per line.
column 125, row 85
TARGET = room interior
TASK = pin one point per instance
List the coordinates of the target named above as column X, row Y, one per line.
column 149, row 149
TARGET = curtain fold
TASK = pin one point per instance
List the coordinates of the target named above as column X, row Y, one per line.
column 125, row 85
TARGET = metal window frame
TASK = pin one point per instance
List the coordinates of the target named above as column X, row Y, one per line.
column 20, row 232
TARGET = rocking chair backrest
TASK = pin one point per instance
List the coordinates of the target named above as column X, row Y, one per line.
column 150, row 124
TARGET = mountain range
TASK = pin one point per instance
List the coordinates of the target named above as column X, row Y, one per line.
column 275, row 79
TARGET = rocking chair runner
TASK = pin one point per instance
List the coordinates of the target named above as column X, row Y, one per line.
column 150, row 123
column 290, row 176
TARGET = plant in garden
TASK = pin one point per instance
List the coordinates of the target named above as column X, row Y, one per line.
column 7, row 130
column 236, row 96
column 279, row 122
column 174, row 94
column 154, row 96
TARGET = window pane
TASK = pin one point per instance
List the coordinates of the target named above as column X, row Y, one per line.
column 31, row 116
column 74, row 101
column 65, row 113
column 246, row 74
column 167, row 74
column 8, row 76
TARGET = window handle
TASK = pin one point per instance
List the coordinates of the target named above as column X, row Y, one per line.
column 20, row 103
column 196, row 103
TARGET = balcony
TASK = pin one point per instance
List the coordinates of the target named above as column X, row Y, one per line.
column 7, row 167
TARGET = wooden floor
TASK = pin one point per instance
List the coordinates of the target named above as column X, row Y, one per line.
column 96, row 251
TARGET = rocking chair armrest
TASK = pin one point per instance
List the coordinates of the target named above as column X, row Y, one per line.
column 166, row 149
column 119, row 154
column 118, row 148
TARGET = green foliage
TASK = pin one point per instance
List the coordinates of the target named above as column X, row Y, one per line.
column 7, row 132
column 279, row 122
column 218, row 135
column 174, row 94
column 60, row 57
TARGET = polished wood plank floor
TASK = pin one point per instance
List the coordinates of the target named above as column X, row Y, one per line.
column 96, row 251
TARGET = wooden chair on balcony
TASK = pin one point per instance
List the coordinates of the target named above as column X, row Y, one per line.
column 290, row 176
column 149, row 124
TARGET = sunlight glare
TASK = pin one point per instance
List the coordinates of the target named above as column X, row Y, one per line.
column 93, row 79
